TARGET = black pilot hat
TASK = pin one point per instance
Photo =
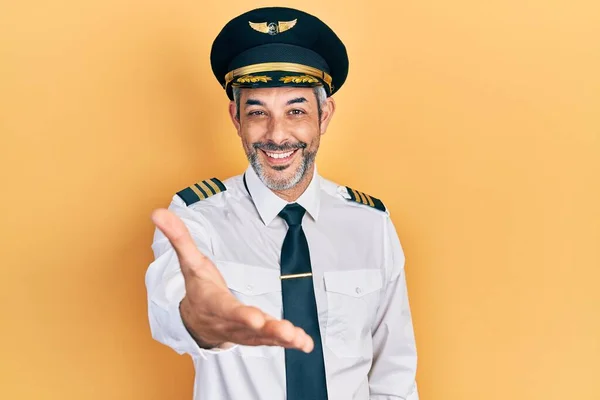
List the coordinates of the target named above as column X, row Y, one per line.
column 277, row 46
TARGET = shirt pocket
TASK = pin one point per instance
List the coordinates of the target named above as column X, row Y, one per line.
column 254, row 286
column 352, row 297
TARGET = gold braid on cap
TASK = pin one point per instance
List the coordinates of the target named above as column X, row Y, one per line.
column 279, row 66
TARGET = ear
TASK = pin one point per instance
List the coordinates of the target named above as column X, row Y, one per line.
column 327, row 112
column 233, row 116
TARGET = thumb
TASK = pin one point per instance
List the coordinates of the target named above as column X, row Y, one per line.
column 179, row 236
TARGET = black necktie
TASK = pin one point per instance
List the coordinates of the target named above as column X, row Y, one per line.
column 305, row 373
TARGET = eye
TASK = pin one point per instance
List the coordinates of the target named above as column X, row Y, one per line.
column 256, row 113
column 297, row 112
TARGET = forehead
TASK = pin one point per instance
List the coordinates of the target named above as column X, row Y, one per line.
column 278, row 94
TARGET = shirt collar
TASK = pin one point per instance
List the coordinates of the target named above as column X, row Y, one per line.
column 269, row 204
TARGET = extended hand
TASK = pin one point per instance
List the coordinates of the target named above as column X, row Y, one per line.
column 210, row 312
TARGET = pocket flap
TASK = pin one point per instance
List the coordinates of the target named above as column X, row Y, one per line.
column 355, row 283
column 249, row 279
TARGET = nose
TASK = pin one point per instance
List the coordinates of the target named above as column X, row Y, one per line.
column 276, row 130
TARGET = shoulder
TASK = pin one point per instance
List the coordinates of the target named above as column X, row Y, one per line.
column 200, row 191
column 352, row 197
column 210, row 192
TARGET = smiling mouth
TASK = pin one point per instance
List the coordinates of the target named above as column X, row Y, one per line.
column 279, row 157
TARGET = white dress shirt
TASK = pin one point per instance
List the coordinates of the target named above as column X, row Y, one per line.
column 358, row 271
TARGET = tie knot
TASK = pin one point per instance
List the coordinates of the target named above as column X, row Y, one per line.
column 292, row 214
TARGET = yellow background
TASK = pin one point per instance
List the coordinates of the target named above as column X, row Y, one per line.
column 476, row 122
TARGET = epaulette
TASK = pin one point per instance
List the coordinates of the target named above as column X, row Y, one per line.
column 201, row 190
column 365, row 199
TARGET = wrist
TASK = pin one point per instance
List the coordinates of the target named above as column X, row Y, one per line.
column 185, row 311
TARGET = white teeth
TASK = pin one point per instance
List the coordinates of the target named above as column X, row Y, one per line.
column 281, row 155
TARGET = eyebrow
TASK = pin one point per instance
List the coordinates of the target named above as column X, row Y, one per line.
column 254, row 102
column 297, row 100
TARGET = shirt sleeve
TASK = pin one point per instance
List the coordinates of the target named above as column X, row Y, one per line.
column 393, row 373
column 166, row 287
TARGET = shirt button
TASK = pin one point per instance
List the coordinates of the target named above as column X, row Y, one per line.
column 358, row 290
column 249, row 288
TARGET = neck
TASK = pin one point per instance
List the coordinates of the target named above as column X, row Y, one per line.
column 295, row 192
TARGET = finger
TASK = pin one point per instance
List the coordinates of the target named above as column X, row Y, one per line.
column 250, row 337
column 300, row 340
column 303, row 341
column 179, row 236
column 268, row 332
column 282, row 335
column 288, row 335
column 247, row 316
column 226, row 308
column 274, row 333
column 283, row 330
column 269, row 318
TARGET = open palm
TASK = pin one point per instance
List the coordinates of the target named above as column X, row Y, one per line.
column 214, row 317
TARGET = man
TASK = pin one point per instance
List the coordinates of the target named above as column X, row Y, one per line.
column 279, row 283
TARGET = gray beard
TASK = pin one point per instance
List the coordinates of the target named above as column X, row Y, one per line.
column 308, row 159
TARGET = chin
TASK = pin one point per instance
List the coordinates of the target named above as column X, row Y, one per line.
column 279, row 181
column 283, row 176
column 282, row 179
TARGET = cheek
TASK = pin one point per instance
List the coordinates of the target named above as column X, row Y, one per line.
column 251, row 132
column 310, row 136
column 305, row 130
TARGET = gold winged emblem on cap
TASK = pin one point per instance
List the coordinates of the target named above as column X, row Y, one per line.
column 272, row 28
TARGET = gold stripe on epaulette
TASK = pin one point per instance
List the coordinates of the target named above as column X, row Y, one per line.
column 197, row 191
column 201, row 191
column 206, row 188
column 356, row 196
column 212, row 185
column 363, row 198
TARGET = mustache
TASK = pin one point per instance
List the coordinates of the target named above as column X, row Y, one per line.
column 270, row 146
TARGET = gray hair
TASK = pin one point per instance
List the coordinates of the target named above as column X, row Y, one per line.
column 319, row 91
